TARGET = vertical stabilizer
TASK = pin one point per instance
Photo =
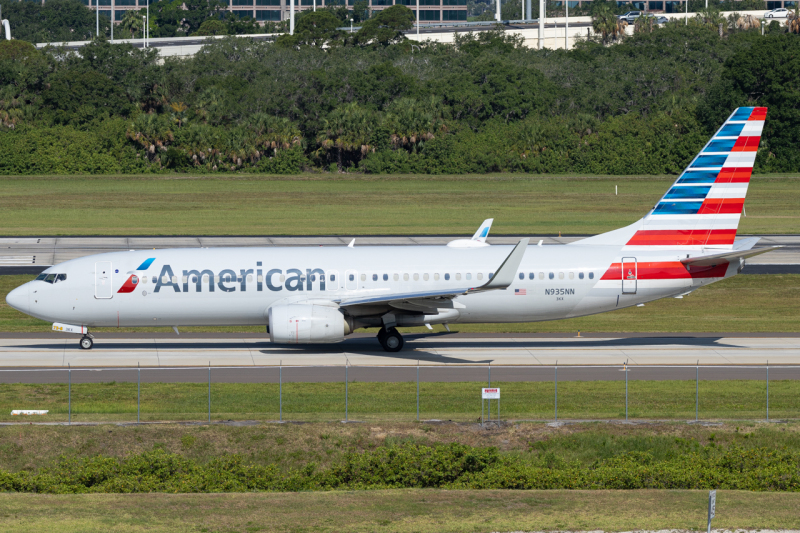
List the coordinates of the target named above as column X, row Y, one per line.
column 703, row 206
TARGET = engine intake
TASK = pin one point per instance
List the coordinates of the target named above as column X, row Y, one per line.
column 307, row 324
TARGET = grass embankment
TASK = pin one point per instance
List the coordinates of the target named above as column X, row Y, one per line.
column 398, row 511
column 744, row 303
column 664, row 400
column 291, row 448
column 316, row 204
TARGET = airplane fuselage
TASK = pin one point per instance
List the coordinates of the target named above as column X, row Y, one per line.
column 237, row 286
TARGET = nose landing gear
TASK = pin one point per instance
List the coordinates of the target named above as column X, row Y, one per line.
column 86, row 342
column 390, row 339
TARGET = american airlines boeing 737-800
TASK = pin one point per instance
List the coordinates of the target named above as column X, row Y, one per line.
column 322, row 294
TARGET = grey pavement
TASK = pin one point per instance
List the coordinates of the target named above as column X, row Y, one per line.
column 29, row 254
column 434, row 350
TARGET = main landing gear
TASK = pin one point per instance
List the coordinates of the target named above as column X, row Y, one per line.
column 86, row 342
column 390, row 339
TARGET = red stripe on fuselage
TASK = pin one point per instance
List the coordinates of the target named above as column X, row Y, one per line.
column 674, row 237
column 666, row 270
column 725, row 206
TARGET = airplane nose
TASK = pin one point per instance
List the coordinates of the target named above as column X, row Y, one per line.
column 18, row 298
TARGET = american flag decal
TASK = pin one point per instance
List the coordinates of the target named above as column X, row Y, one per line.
column 520, row 292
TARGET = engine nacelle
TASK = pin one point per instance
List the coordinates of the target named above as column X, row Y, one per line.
column 307, row 324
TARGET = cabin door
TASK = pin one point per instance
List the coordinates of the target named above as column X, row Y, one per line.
column 102, row 280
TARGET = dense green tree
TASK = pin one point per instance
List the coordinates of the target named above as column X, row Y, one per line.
column 54, row 21
column 386, row 27
column 314, row 28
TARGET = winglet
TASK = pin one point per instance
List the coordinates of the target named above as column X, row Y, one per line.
column 483, row 231
column 504, row 276
column 352, row 244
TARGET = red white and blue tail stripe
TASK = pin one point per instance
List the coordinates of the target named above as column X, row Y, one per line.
column 703, row 207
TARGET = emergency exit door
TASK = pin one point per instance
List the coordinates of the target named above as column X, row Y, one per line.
column 629, row 275
column 102, row 280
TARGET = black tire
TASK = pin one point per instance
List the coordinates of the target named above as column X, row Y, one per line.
column 86, row 343
column 391, row 340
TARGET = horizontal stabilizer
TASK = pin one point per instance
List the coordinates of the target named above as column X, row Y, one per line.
column 712, row 260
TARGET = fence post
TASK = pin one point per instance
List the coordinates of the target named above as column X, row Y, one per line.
column 138, row 391
column 280, row 391
column 345, row 391
column 69, row 394
column 489, row 409
column 417, row 390
column 626, row 390
column 767, row 390
column 556, row 390
column 696, row 390
column 209, row 392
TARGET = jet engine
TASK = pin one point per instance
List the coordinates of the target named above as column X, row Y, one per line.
column 307, row 324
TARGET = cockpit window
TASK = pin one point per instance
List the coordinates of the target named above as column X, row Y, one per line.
column 61, row 277
column 50, row 278
column 40, row 277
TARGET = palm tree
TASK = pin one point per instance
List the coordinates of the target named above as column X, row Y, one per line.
column 273, row 132
column 151, row 131
column 794, row 19
column 347, row 129
column 132, row 22
column 606, row 23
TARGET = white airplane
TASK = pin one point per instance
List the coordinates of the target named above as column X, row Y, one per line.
column 322, row 294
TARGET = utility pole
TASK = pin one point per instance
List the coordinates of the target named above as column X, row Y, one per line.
column 497, row 16
column 541, row 24
column 529, row 6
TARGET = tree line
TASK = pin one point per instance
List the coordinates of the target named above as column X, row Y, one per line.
column 372, row 101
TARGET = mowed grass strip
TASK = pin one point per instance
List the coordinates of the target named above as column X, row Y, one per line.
column 405, row 510
column 314, row 204
column 744, row 303
column 667, row 400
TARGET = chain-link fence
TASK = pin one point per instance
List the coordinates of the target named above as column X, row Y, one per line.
column 400, row 393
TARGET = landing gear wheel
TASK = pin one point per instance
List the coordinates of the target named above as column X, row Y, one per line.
column 391, row 340
column 86, row 343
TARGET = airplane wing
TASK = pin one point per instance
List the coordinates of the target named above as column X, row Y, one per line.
column 741, row 250
column 501, row 279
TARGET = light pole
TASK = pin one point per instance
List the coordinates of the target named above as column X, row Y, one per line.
column 541, row 24
column 291, row 17
column 566, row 26
column 351, row 24
column 144, row 32
column 147, row 26
column 497, row 16
column 417, row 19
column 97, row 16
column 529, row 7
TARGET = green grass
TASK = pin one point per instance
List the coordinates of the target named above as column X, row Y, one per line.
column 744, row 303
column 353, row 205
column 398, row 511
column 460, row 401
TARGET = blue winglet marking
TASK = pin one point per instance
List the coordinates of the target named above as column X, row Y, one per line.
column 146, row 264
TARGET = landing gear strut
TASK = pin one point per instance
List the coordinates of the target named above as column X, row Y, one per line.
column 390, row 339
column 86, row 342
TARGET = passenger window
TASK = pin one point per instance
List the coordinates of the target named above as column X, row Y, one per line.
column 363, row 277
column 313, row 278
column 282, row 278
column 572, row 275
column 405, row 277
column 458, row 277
column 580, row 275
column 447, row 277
column 386, row 277
column 480, row 275
column 551, row 275
column 521, row 275
column 352, row 277
column 491, row 275
column 416, row 277
column 469, row 275
column 185, row 279
column 144, row 279
column 155, row 279
column 374, row 277
column 436, row 277
column 591, row 275
column 333, row 277
column 560, row 275
column 425, row 277
column 396, row 277
column 541, row 275
column 531, row 276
